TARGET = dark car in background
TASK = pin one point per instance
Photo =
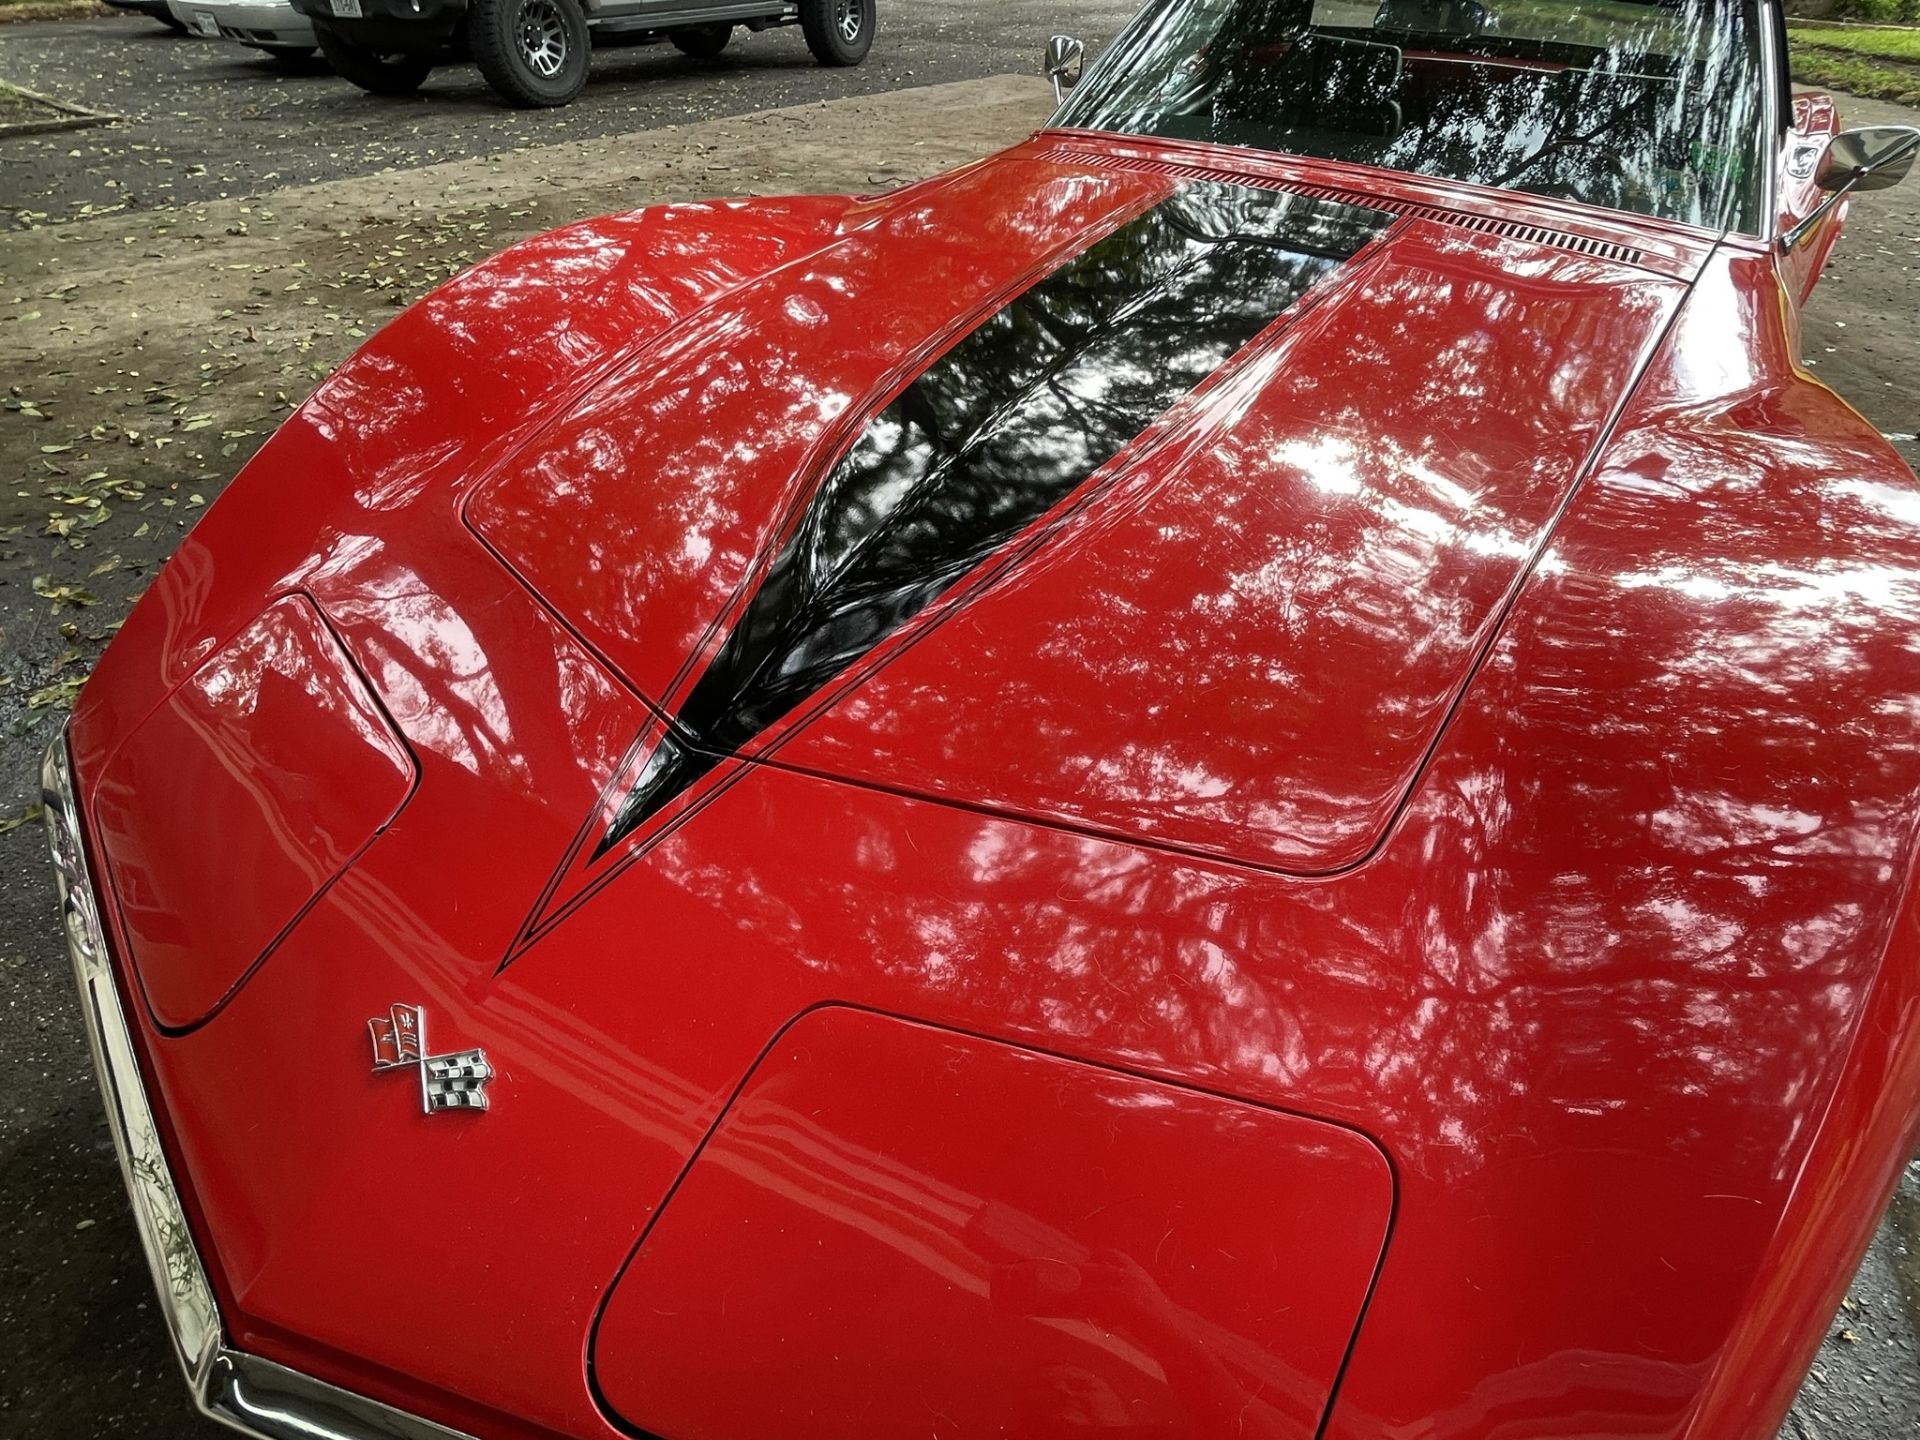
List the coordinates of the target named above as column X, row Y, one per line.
column 534, row 52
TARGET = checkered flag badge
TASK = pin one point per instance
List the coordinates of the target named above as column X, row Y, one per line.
column 457, row 1082
column 396, row 1038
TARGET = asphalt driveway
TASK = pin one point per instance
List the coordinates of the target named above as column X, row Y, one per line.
column 172, row 285
column 208, row 119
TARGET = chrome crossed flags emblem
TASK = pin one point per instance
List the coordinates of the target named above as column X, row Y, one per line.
column 447, row 1082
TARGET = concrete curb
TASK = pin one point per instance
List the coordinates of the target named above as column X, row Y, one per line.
column 48, row 127
column 72, row 117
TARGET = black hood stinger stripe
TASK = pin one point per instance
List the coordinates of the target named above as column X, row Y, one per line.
column 1002, row 428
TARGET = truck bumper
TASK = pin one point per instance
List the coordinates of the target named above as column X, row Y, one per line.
column 406, row 25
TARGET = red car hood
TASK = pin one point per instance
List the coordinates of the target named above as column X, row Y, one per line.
column 1174, row 512
column 1152, row 508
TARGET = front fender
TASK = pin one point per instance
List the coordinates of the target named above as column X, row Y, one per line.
column 431, row 403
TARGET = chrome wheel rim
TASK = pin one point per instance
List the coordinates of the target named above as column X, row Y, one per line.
column 847, row 15
column 543, row 38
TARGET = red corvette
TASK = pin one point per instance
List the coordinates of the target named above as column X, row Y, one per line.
column 1251, row 771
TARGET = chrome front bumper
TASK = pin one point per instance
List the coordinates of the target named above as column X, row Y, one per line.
column 260, row 23
column 253, row 1395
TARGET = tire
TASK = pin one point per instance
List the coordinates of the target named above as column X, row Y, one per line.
column 839, row 32
column 292, row 59
column 533, row 52
column 703, row 42
column 373, row 72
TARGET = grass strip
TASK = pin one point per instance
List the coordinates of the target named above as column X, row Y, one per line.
column 1866, row 78
column 1886, row 44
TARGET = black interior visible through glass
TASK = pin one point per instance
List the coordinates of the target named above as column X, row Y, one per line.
column 997, row 432
column 1649, row 107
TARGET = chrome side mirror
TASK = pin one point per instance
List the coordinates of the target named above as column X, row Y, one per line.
column 1066, row 56
column 1870, row 158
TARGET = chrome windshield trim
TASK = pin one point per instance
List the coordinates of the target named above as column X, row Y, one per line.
column 1773, row 120
column 255, row 1396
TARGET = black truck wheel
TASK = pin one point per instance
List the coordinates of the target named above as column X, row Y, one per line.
column 703, row 42
column 533, row 52
column 839, row 32
column 377, row 72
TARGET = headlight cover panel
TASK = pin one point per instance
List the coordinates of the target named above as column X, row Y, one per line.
column 238, row 801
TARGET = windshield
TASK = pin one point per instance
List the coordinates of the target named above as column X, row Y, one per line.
column 1649, row 107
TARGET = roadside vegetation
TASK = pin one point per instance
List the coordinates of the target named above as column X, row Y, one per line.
column 49, row 9
column 1831, row 70
column 1868, row 60
column 1872, row 12
column 1901, row 45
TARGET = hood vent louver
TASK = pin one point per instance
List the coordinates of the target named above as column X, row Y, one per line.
column 1485, row 224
